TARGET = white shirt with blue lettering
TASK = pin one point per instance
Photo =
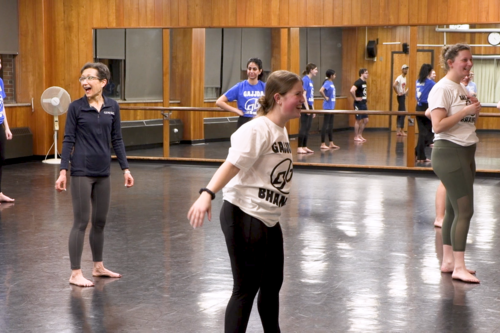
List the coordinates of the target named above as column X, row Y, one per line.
column 261, row 150
column 247, row 96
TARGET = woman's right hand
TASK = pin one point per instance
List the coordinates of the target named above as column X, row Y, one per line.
column 61, row 182
column 196, row 213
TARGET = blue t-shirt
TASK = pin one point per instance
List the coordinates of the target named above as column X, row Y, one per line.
column 2, row 110
column 2, row 89
column 330, row 93
column 308, row 86
column 247, row 96
column 423, row 90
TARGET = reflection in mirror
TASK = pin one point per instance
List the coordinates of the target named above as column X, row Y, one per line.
column 342, row 49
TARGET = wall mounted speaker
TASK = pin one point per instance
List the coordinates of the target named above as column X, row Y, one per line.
column 371, row 49
column 406, row 48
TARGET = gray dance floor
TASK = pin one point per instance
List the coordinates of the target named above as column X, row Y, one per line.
column 361, row 255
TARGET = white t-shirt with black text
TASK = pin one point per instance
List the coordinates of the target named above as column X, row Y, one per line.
column 453, row 97
column 261, row 150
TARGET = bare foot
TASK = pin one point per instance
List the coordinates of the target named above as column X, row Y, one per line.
column 324, row 147
column 301, row 151
column 77, row 279
column 399, row 134
column 362, row 139
column 103, row 272
column 308, row 150
column 333, row 146
column 358, row 139
column 449, row 268
column 464, row 275
column 4, row 198
column 403, row 134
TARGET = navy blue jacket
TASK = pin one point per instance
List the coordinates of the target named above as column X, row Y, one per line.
column 87, row 138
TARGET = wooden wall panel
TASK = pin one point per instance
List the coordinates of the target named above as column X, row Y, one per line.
column 56, row 36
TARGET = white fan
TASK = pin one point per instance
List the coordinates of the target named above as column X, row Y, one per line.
column 55, row 101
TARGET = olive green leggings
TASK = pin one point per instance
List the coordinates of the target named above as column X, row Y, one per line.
column 456, row 168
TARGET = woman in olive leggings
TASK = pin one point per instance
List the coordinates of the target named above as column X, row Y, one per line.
column 454, row 115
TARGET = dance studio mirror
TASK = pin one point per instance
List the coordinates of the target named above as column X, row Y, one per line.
column 136, row 55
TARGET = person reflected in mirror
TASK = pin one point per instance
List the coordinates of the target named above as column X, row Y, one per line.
column 259, row 156
column 5, row 134
column 328, row 92
column 245, row 93
column 306, row 118
column 433, row 75
column 471, row 85
column 92, row 126
column 454, row 114
column 423, row 87
column 401, row 90
column 358, row 92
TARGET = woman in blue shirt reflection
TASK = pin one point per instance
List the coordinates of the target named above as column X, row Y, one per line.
column 246, row 93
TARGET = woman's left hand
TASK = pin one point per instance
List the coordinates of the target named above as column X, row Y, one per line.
column 129, row 180
column 8, row 134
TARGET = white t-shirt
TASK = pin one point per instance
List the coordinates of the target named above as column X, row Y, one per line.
column 261, row 150
column 401, row 84
column 453, row 98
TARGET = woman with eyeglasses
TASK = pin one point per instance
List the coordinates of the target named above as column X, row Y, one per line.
column 92, row 123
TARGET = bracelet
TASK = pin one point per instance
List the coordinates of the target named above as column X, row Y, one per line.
column 126, row 171
column 212, row 194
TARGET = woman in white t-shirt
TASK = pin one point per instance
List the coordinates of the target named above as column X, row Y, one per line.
column 256, row 177
column 454, row 114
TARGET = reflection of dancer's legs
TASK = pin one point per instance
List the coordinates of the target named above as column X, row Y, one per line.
column 256, row 254
column 327, row 128
column 401, row 119
column 305, row 126
column 424, row 126
column 458, row 182
column 440, row 205
column 3, row 197
column 361, row 121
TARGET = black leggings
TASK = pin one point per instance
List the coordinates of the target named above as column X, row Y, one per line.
column 87, row 192
column 305, row 126
column 401, row 107
column 242, row 120
column 327, row 128
column 256, row 254
column 424, row 133
column 3, row 139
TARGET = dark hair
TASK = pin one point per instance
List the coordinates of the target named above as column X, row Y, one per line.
column 258, row 62
column 362, row 71
column 450, row 52
column 329, row 74
column 102, row 70
column 425, row 71
column 279, row 82
column 309, row 68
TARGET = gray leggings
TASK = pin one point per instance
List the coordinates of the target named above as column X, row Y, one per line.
column 87, row 192
column 456, row 168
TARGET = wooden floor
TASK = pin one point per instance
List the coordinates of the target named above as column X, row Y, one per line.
column 383, row 148
column 361, row 255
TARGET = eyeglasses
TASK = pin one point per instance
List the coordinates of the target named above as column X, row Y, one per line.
column 88, row 78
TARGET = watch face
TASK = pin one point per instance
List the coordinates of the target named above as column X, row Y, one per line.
column 494, row 38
